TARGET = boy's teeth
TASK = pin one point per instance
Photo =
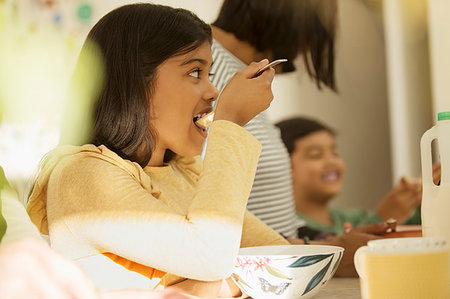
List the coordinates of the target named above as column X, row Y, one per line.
column 331, row 176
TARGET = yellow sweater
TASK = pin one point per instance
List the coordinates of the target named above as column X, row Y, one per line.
column 186, row 218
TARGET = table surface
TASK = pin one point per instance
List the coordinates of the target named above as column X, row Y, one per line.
column 337, row 287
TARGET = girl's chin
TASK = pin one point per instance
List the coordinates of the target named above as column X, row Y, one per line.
column 202, row 131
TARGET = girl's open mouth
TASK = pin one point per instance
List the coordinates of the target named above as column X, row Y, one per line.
column 202, row 129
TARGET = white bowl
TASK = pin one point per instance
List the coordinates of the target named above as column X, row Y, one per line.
column 285, row 271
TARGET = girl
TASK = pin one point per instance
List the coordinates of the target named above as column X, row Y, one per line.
column 139, row 194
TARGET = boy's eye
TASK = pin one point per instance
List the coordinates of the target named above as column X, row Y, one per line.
column 195, row 73
column 315, row 154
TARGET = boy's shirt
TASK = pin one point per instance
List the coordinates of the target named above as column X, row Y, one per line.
column 340, row 216
column 354, row 216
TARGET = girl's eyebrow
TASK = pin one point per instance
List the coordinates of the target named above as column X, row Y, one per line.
column 193, row 60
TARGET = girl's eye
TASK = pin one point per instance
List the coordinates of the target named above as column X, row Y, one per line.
column 195, row 73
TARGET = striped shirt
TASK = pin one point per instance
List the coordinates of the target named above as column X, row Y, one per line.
column 271, row 198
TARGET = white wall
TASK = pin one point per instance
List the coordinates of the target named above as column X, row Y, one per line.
column 439, row 12
column 206, row 9
column 408, row 64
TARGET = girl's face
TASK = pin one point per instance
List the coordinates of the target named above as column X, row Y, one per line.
column 183, row 91
column 317, row 169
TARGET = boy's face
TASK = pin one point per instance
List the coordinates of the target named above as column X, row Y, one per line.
column 317, row 168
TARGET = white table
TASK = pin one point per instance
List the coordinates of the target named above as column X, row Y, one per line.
column 342, row 288
column 347, row 288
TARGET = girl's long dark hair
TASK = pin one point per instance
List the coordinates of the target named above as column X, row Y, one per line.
column 134, row 40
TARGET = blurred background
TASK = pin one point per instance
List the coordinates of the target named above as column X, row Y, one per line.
column 392, row 66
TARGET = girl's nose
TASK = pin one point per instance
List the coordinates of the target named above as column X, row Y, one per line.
column 212, row 93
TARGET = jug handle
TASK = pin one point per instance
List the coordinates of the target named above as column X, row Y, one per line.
column 426, row 159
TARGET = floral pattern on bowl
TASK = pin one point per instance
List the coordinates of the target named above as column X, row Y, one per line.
column 299, row 274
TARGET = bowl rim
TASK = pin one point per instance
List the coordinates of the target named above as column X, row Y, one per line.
column 324, row 249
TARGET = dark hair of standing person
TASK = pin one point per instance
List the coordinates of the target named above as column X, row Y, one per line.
column 286, row 29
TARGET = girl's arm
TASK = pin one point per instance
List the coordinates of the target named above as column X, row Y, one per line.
column 105, row 209
column 257, row 233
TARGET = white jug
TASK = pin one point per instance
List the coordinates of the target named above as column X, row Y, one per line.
column 436, row 199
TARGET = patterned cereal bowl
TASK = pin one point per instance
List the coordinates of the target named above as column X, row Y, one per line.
column 285, row 272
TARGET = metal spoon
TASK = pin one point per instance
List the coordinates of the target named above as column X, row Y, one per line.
column 272, row 64
column 206, row 120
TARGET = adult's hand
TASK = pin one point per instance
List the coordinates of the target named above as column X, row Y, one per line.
column 30, row 269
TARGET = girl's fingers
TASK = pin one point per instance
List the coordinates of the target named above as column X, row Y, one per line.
column 252, row 69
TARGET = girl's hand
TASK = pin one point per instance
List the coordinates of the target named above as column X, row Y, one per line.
column 245, row 96
column 143, row 294
column 208, row 289
column 197, row 288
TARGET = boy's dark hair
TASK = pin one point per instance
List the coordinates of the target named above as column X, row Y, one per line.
column 299, row 127
column 287, row 28
column 134, row 40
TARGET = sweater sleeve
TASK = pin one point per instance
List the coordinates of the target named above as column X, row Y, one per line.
column 257, row 233
column 107, row 210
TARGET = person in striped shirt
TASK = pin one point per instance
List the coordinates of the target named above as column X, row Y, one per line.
column 247, row 31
